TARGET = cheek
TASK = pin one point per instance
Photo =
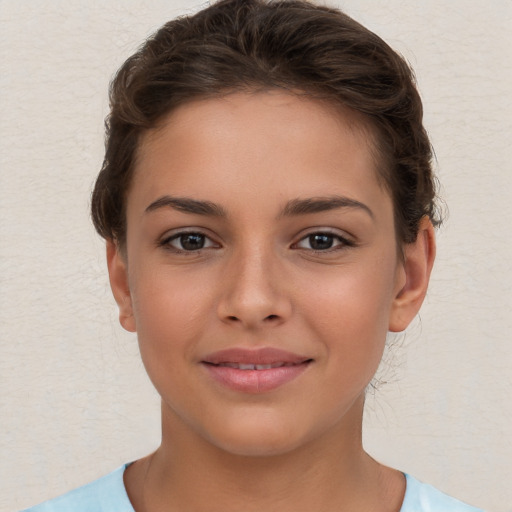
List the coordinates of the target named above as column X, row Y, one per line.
column 350, row 312
column 171, row 310
column 355, row 297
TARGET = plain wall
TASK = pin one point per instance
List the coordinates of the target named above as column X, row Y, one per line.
column 76, row 402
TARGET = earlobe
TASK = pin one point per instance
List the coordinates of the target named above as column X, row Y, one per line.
column 417, row 265
column 118, row 275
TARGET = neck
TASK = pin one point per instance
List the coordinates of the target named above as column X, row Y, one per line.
column 329, row 473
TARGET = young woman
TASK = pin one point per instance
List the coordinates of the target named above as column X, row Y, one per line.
column 268, row 206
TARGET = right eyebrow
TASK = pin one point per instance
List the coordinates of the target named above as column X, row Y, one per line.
column 187, row 205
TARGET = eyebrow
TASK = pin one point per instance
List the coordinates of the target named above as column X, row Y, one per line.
column 187, row 205
column 292, row 208
column 322, row 204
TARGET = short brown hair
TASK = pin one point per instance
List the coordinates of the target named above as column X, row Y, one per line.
column 236, row 45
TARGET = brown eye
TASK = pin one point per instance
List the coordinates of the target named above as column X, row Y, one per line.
column 189, row 242
column 323, row 242
column 320, row 241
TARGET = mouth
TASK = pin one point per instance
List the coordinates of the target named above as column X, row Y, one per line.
column 241, row 366
column 255, row 371
column 255, row 359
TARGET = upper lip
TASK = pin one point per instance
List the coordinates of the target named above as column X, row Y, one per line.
column 255, row 356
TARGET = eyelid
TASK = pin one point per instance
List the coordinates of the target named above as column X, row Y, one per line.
column 345, row 240
column 169, row 236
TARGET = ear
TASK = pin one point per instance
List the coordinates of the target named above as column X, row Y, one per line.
column 418, row 261
column 118, row 275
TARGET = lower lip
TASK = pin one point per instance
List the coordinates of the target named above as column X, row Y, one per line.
column 255, row 381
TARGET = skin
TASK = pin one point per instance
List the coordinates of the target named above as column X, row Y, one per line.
column 258, row 282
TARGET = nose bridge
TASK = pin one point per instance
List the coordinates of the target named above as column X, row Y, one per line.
column 253, row 292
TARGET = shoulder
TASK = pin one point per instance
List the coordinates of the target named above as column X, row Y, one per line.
column 420, row 497
column 107, row 494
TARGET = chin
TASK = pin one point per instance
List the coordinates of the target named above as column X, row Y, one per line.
column 257, row 446
column 253, row 438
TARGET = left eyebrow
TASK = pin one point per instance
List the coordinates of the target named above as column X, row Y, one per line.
column 187, row 205
column 322, row 204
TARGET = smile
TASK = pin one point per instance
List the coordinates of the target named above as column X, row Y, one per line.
column 241, row 366
column 255, row 371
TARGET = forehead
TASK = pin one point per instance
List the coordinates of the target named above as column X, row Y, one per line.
column 273, row 142
column 263, row 105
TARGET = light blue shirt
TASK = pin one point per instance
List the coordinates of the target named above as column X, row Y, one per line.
column 108, row 494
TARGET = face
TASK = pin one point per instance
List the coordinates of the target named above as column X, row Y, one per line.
column 261, row 271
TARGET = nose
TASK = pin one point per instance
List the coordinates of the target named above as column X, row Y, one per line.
column 254, row 291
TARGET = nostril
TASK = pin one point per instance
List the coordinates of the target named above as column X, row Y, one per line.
column 271, row 317
column 233, row 318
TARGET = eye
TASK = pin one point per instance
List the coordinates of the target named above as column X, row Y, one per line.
column 188, row 242
column 323, row 241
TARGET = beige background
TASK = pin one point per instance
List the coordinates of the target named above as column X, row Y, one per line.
column 75, row 400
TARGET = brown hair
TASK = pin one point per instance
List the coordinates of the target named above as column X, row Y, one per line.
column 237, row 45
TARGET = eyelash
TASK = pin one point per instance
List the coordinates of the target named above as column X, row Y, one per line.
column 343, row 242
column 167, row 242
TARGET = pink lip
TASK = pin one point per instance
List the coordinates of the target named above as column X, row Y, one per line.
column 255, row 381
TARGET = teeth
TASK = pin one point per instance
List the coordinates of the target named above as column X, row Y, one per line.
column 240, row 366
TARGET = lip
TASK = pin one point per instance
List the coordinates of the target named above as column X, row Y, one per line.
column 284, row 367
